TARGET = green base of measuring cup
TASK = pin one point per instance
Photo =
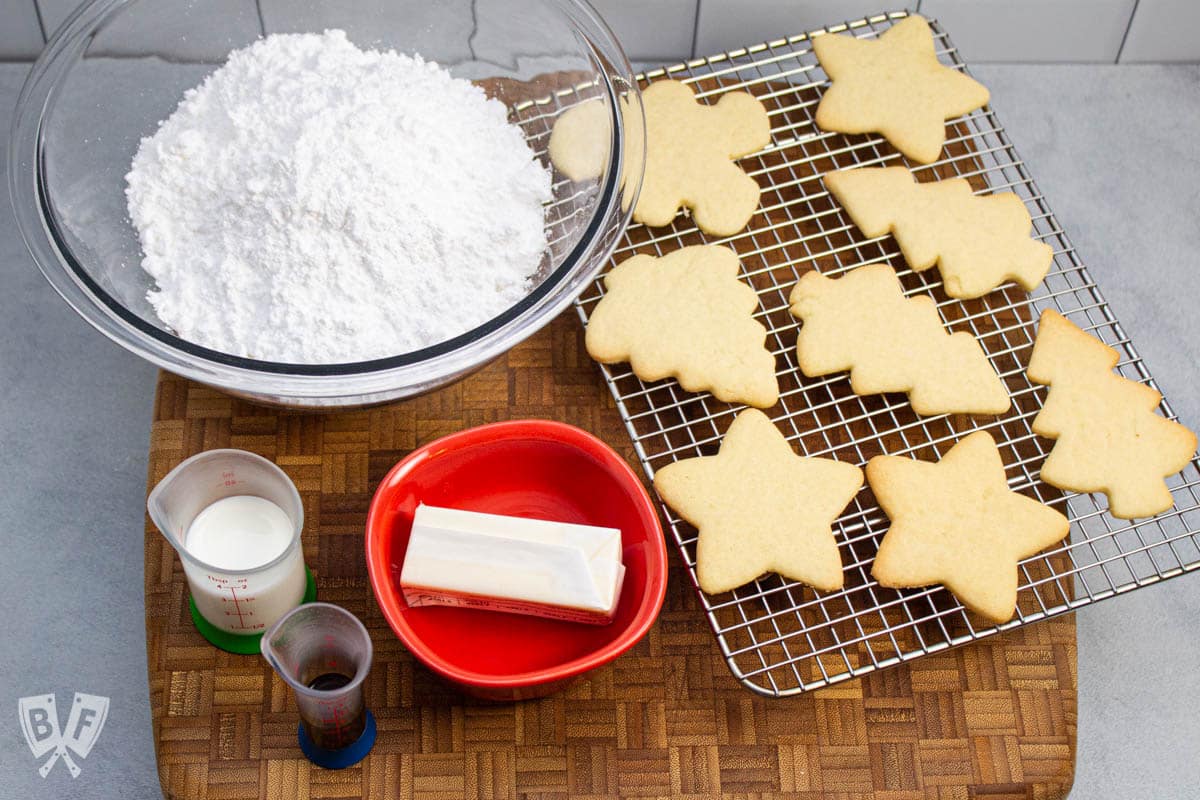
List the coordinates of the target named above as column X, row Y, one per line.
column 242, row 643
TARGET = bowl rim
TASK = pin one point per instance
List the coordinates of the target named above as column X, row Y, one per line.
column 374, row 379
column 377, row 539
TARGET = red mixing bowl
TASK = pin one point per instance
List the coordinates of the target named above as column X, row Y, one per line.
column 527, row 468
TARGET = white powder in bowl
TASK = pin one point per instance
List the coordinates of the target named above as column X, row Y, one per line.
column 312, row 202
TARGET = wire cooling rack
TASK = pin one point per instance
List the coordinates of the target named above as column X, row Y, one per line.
column 779, row 637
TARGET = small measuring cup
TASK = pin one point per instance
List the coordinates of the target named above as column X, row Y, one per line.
column 231, row 607
column 323, row 653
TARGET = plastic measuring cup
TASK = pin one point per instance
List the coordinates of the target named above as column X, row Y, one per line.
column 233, row 607
column 323, row 653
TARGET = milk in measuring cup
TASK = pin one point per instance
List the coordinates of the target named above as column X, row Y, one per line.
column 244, row 532
column 239, row 532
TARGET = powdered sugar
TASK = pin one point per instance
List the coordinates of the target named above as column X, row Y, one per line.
column 312, row 202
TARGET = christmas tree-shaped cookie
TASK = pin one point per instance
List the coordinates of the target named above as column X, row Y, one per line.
column 891, row 343
column 760, row 508
column 977, row 242
column 1109, row 438
column 894, row 86
column 688, row 316
column 956, row 523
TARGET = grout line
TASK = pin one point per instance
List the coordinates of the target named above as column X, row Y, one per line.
column 37, row 11
column 1128, row 28
column 696, row 28
column 475, row 30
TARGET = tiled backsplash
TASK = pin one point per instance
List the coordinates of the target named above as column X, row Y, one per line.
column 1035, row 30
column 1164, row 30
column 658, row 31
column 20, row 30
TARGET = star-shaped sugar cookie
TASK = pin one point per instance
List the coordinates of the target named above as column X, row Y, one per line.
column 894, row 86
column 688, row 316
column 760, row 508
column 689, row 147
column 1109, row 438
column 955, row 522
column 977, row 242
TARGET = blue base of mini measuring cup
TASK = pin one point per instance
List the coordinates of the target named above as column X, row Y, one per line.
column 347, row 756
column 242, row 644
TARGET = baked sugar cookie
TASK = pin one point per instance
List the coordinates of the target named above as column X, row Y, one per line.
column 689, row 152
column 894, row 86
column 1108, row 437
column 761, row 508
column 580, row 140
column 977, row 242
column 955, row 522
column 891, row 343
column 688, row 316
column 582, row 137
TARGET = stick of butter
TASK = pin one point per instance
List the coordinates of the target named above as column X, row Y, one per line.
column 523, row 566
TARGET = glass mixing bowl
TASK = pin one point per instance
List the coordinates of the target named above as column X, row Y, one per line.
column 118, row 67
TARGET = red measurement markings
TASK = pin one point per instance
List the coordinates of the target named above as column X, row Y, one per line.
column 237, row 609
column 335, row 718
column 335, row 710
column 329, row 644
column 241, row 605
column 338, row 720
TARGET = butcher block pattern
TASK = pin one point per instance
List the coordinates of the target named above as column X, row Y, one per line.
column 994, row 719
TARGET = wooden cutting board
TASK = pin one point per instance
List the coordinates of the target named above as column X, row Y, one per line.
column 994, row 719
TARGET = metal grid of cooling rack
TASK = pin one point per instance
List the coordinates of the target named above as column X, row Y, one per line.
column 779, row 637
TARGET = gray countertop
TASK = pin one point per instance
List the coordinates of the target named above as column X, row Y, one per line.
column 1114, row 150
